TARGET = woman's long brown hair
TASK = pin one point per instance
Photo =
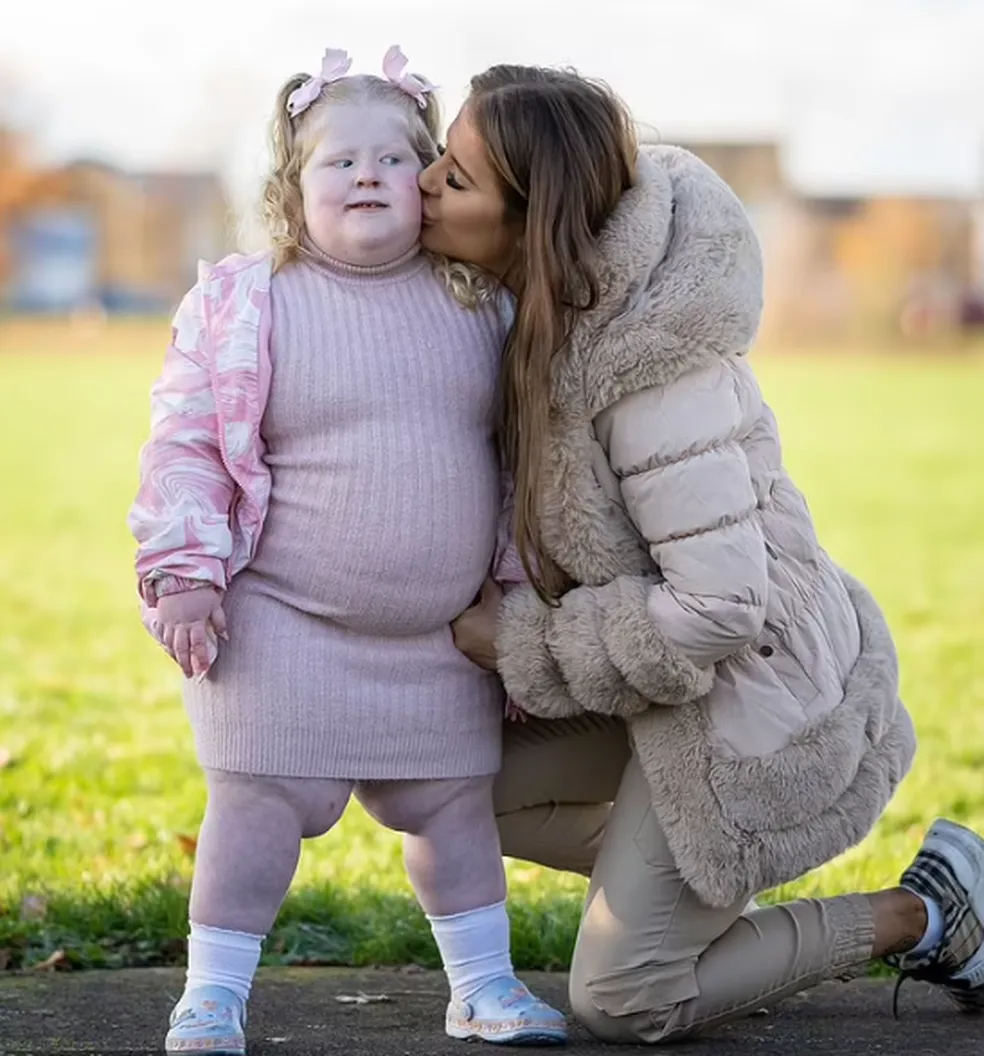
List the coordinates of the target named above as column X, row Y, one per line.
column 564, row 149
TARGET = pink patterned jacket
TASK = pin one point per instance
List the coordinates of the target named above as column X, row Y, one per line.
column 204, row 484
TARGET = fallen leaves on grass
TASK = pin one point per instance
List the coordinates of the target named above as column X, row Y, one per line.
column 188, row 844
column 51, row 963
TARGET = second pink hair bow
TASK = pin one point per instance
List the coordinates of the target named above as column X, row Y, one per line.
column 395, row 69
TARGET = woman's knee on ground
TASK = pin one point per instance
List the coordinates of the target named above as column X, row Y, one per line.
column 413, row 807
column 631, row 1006
column 314, row 804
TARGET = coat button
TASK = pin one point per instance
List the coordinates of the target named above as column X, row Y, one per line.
column 767, row 650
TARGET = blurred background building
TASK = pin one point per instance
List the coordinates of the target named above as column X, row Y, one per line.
column 857, row 260
column 87, row 236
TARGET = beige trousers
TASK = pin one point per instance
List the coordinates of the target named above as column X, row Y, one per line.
column 652, row 963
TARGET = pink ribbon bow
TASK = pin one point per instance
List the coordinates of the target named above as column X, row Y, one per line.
column 395, row 69
column 334, row 66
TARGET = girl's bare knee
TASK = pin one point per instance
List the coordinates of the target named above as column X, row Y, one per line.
column 315, row 804
column 413, row 806
column 320, row 805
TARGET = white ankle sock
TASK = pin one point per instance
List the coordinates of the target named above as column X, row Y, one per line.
column 474, row 947
column 933, row 935
column 222, row 958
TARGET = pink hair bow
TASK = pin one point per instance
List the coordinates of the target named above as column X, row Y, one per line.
column 395, row 69
column 334, row 66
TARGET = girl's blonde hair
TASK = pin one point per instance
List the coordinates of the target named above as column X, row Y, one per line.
column 292, row 140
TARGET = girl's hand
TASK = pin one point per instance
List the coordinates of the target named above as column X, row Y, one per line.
column 186, row 621
column 474, row 630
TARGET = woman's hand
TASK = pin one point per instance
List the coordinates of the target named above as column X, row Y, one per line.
column 474, row 630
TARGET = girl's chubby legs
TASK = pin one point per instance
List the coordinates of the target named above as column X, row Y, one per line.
column 454, row 862
column 248, row 849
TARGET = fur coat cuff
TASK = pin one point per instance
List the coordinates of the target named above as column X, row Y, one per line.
column 599, row 650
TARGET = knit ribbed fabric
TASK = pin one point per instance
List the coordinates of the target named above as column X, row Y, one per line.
column 380, row 531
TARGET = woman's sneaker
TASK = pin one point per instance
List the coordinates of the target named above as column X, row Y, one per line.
column 208, row 1019
column 504, row 1012
column 949, row 870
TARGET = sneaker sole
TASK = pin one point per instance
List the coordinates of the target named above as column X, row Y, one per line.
column 969, row 867
column 212, row 1046
column 517, row 1038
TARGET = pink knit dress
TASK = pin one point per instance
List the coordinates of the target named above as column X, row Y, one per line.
column 381, row 529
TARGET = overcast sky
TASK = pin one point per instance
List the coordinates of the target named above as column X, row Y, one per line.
column 870, row 89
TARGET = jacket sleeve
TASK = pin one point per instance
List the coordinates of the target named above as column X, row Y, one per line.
column 180, row 518
column 686, row 486
column 595, row 651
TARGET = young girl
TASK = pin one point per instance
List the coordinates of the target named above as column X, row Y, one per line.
column 320, row 493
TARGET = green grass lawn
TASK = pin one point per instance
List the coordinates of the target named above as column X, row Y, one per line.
column 100, row 796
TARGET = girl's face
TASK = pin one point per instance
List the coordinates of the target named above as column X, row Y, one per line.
column 464, row 210
column 359, row 185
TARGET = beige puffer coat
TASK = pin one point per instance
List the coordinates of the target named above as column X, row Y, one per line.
column 759, row 681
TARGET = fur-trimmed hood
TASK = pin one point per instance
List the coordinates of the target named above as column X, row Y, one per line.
column 680, row 276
